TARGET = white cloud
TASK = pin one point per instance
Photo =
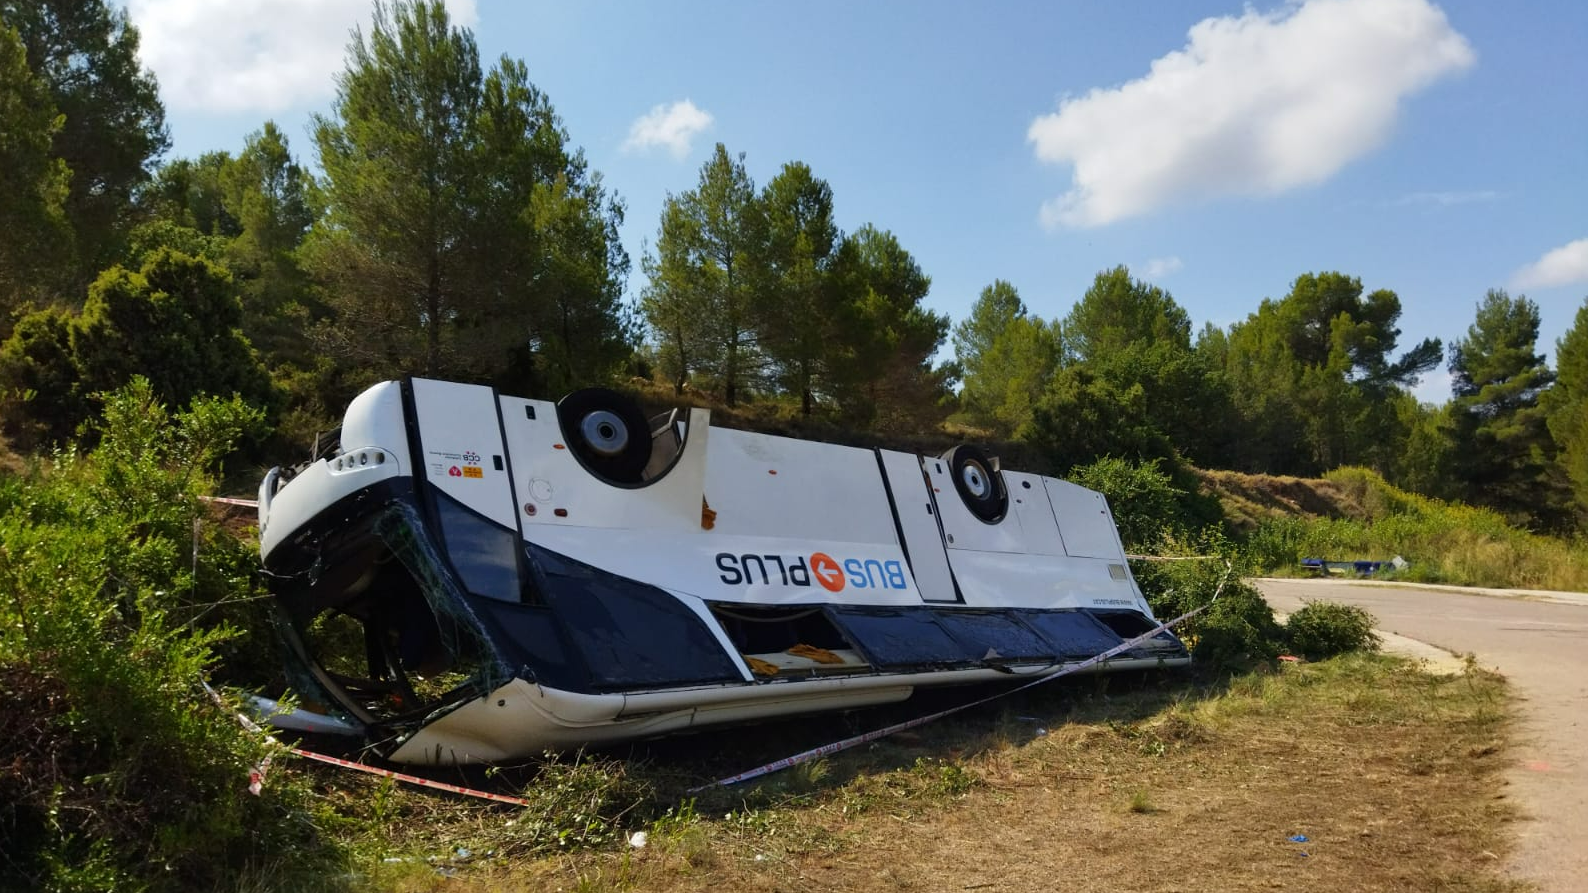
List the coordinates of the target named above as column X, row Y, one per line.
column 1252, row 105
column 1159, row 267
column 670, row 125
column 1566, row 265
column 261, row 56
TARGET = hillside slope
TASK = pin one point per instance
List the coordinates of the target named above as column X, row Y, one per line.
column 1353, row 513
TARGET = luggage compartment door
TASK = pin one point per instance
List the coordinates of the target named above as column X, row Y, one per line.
column 920, row 533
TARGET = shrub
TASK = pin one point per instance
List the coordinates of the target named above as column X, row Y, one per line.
column 174, row 321
column 1154, row 506
column 1145, row 502
column 1235, row 632
column 1325, row 629
column 1238, row 631
column 120, row 774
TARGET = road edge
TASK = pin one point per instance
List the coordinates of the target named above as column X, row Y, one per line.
column 1579, row 599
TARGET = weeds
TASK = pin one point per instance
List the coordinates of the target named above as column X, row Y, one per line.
column 121, row 773
column 1443, row 542
column 577, row 801
column 942, row 780
column 1141, row 803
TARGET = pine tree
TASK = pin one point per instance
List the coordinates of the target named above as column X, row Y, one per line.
column 112, row 131
column 1502, row 451
column 1007, row 356
column 462, row 237
column 36, row 235
column 1566, row 408
column 702, row 308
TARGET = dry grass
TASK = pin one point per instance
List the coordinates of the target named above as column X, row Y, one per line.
column 1392, row 775
column 10, row 462
column 1250, row 499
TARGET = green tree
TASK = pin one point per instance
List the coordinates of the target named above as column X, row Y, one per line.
column 1313, row 377
column 33, row 182
column 175, row 321
column 40, row 402
column 1263, row 376
column 1133, row 334
column 882, row 356
column 1220, row 426
column 462, row 237
column 709, row 252
column 192, row 192
column 1007, row 357
column 267, row 192
column 1424, row 463
column 269, row 195
column 546, row 220
column 1566, row 407
column 797, row 314
column 113, row 127
column 1082, row 417
column 1501, row 445
column 1118, row 313
column 675, row 297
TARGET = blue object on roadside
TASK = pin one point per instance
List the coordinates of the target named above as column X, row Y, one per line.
column 1299, row 838
column 1323, row 567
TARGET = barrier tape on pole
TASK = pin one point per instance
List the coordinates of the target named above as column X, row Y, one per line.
column 866, row 738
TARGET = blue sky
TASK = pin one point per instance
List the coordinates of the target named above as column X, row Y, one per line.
column 1220, row 150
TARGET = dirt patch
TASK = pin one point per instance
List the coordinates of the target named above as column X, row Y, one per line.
column 1390, row 774
column 1250, row 499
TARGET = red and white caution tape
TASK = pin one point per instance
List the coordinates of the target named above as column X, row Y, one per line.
column 256, row 775
column 836, row 746
column 227, row 500
column 410, row 779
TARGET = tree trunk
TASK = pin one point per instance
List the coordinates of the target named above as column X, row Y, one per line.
column 805, row 390
column 433, row 306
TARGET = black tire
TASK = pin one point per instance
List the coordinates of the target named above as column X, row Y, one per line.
column 980, row 487
column 607, row 433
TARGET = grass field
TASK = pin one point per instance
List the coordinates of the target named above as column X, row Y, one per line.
column 1391, row 774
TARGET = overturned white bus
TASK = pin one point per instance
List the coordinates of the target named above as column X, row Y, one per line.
column 469, row 577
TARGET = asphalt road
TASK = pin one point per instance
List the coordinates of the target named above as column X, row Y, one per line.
column 1542, row 648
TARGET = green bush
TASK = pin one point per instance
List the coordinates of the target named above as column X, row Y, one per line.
column 1235, row 632
column 1143, row 499
column 120, row 772
column 1238, row 631
column 174, row 321
column 1153, row 506
column 1325, row 629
